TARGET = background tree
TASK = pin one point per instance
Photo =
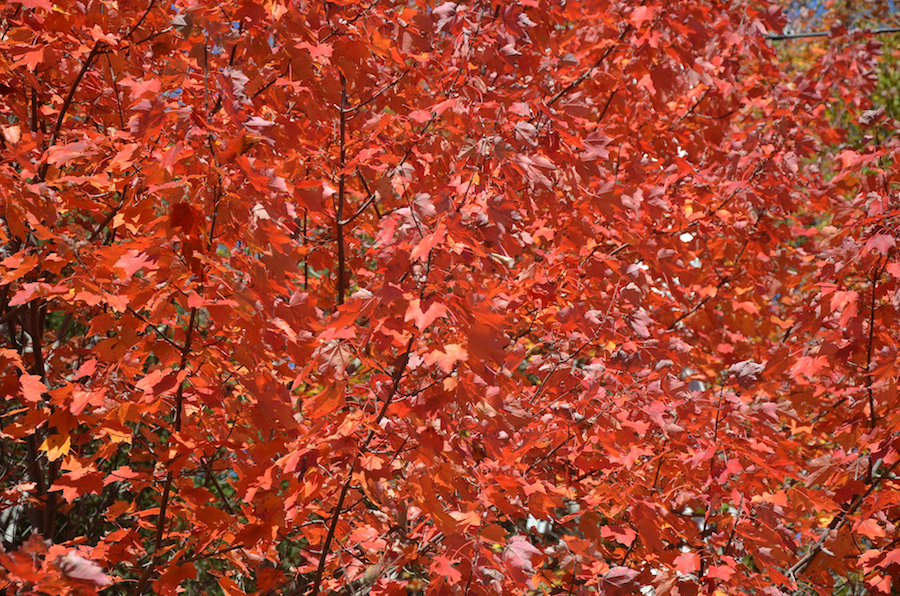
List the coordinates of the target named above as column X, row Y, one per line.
column 303, row 298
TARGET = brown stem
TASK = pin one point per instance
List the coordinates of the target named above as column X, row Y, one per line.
column 368, row 192
column 218, row 104
column 10, row 314
column 359, row 211
column 568, row 88
column 112, row 75
column 215, row 216
column 37, row 476
column 167, row 488
column 140, row 21
column 95, row 51
column 95, row 524
column 697, row 103
column 378, row 93
column 339, row 208
column 212, row 476
column 662, row 458
column 549, row 454
column 474, row 563
column 201, row 556
column 606, row 105
column 332, row 526
column 718, row 416
column 873, row 415
column 34, row 110
column 179, row 394
column 721, row 283
column 306, row 243
column 157, row 543
column 326, row 547
column 112, row 214
column 159, row 333
column 807, row 559
column 52, row 502
column 734, row 527
column 35, row 329
column 265, row 87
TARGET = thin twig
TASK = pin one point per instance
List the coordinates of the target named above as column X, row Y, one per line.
column 161, row 335
column 734, row 527
column 568, row 88
column 335, row 516
column 116, row 92
column 810, row 34
column 873, row 415
column 359, row 211
column 549, row 454
column 841, row 520
column 167, row 488
column 697, row 103
column 339, row 208
column 216, row 553
column 377, row 93
column 474, row 563
column 42, row 173
column 606, row 105
column 140, row 21
column 112, row 214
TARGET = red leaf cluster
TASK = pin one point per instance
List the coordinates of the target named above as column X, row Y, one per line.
column 455, row 298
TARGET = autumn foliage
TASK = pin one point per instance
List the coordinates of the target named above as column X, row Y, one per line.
column 395, row 297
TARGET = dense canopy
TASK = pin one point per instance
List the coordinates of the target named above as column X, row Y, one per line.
column 472, row 298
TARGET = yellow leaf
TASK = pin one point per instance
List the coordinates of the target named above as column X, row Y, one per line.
column 56, row 446
column 117, row 436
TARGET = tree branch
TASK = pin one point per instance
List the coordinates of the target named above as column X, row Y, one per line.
column 806, row 560
column 571, row 86
column 140, row 21
column 95, row 51
column 167, row 488
column 339, row 208
column 332, row 526
column 873, row 415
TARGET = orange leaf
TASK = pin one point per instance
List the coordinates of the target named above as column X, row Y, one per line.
column 687, row 562
column 870, row 528
column 32, row 387
column 444, row 567
column 56, row 446
column 424, row 319
column 448, row 357
column 134, row 260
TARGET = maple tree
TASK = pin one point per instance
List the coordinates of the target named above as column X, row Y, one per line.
column 314, row 297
